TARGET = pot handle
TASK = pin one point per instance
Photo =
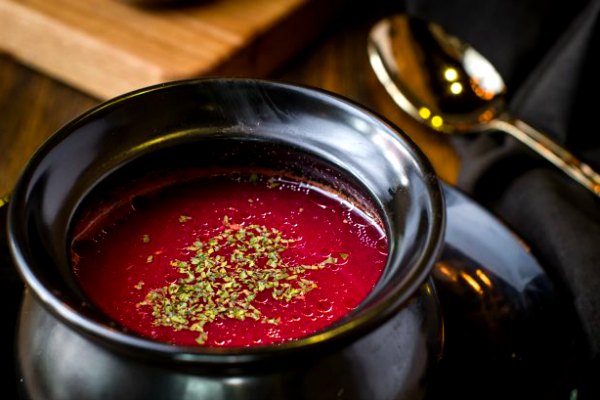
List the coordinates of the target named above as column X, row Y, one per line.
column 11, row 285
column 3, row 213
column 10, row 282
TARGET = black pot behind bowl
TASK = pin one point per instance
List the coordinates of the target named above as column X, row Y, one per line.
column 219, row 122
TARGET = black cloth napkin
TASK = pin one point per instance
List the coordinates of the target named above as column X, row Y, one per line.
column 547, row 53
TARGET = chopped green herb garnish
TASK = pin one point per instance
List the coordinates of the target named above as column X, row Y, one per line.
column 253, row 178
column 225, row 275
column 149, row 259
column 146, row 238
column 344, row 256
column 139, row 285
column 184, row 218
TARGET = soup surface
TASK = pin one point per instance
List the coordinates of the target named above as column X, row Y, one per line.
column 230, row 260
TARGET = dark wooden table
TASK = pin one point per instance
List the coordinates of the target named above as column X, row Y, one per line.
column 33, row 106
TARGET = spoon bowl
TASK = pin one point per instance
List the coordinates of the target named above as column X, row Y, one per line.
column 448, row 85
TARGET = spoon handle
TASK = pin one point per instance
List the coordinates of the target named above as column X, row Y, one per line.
column 550, row 150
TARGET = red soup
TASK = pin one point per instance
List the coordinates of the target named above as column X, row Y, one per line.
column 231, row 260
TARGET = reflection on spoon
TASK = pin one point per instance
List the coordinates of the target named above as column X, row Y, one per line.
column 448, row 85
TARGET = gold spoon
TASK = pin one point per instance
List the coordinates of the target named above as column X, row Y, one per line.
column 446, row 84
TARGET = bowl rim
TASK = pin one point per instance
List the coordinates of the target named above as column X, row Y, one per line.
column 337, row 335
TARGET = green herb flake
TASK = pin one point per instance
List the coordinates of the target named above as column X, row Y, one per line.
column 253, row 178
column 149, row 259
column 184, row 218
column 146, row 239
column 139, row 285
column 272, row 183
column 344, row 256
column 201, row 339
column 330, row 260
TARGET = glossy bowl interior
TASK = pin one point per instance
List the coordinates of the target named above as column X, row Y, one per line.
column 226, row 122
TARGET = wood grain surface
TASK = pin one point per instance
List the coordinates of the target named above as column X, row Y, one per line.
column 32, row 105
column 107, row 47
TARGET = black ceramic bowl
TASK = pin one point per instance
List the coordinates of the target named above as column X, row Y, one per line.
column 69, row 349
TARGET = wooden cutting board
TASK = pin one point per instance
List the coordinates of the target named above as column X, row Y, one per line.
column 107, row 47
